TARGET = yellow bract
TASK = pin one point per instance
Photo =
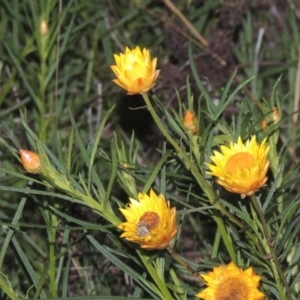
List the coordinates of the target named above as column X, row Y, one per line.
column 135, row 71
column 150, row 221
column 229, row 282
column 31, row 161
column 241, row 168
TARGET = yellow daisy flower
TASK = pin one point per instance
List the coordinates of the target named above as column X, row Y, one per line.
column 135, row 71
column 151, row 222
column 241, row 168
column 230, row 282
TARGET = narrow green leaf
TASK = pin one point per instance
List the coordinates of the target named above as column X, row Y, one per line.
column 155, row 172
column 27, row 265
column 114, row 167
column 222, row 106
column 97, row 141
column 148, row 286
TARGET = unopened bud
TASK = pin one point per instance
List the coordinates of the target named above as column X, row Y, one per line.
column 264, row 124
column 43, row 28
column 275, row 115
column 190, row 122
column 31, row 161
column 272, row 117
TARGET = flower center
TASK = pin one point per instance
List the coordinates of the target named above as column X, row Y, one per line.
column 148, row 221
column 233, row 288
column 241, row 160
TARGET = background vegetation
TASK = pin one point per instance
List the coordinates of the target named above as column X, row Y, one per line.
column 57, row 98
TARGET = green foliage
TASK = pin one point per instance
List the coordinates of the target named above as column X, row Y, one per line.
column 59, row 228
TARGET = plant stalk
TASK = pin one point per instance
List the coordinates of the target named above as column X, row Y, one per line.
column 200, row 179
column 177, row 257
column 274, row 259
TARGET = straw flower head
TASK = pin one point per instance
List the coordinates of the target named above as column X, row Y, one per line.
column 241, row 168
column 30, row 161
column 136, row 72
column 229, row 282
column 151, row 222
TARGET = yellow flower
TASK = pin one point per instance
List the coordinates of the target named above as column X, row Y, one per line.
column 135, row 70
column 151, row 222
column 190, row 121
column 241, row 168
column 229, row 282
column 30, row 161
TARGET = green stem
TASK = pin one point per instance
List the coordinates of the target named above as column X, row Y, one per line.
column 63, row 184
column 200, row 179
column 195, row 147
column 43, row 38
column 177, row 284
column 176, row 256
column 153, row 273
column 52, row 258
column 274, row 259
column 107, row 214
column 43, row 122
column 92, row 203
column 6, row 288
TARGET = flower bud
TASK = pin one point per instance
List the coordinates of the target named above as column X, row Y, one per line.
column 31, row 161
column 190, row 122
column 272, row 117
column 264, row 124
column 43, row 28
column 275, row 115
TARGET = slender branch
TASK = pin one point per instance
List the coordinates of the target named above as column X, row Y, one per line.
column 177, row 257
column 204, row 185
column 186, row 22
column 155, row 276
column 200, row 179
column 270, row 248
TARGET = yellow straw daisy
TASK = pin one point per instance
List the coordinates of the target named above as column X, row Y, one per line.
column 230, row 282
column 241, row 168
column 135, row 71
column 151, row 222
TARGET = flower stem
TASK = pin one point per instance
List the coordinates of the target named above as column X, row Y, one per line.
column 52, row 258
column 176, row 256
column 269, row 248
column 200, row 179
column 153, row 273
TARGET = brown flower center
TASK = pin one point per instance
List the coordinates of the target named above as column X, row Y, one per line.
column 241, row 160
column 148, row 221
column 233, row 288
